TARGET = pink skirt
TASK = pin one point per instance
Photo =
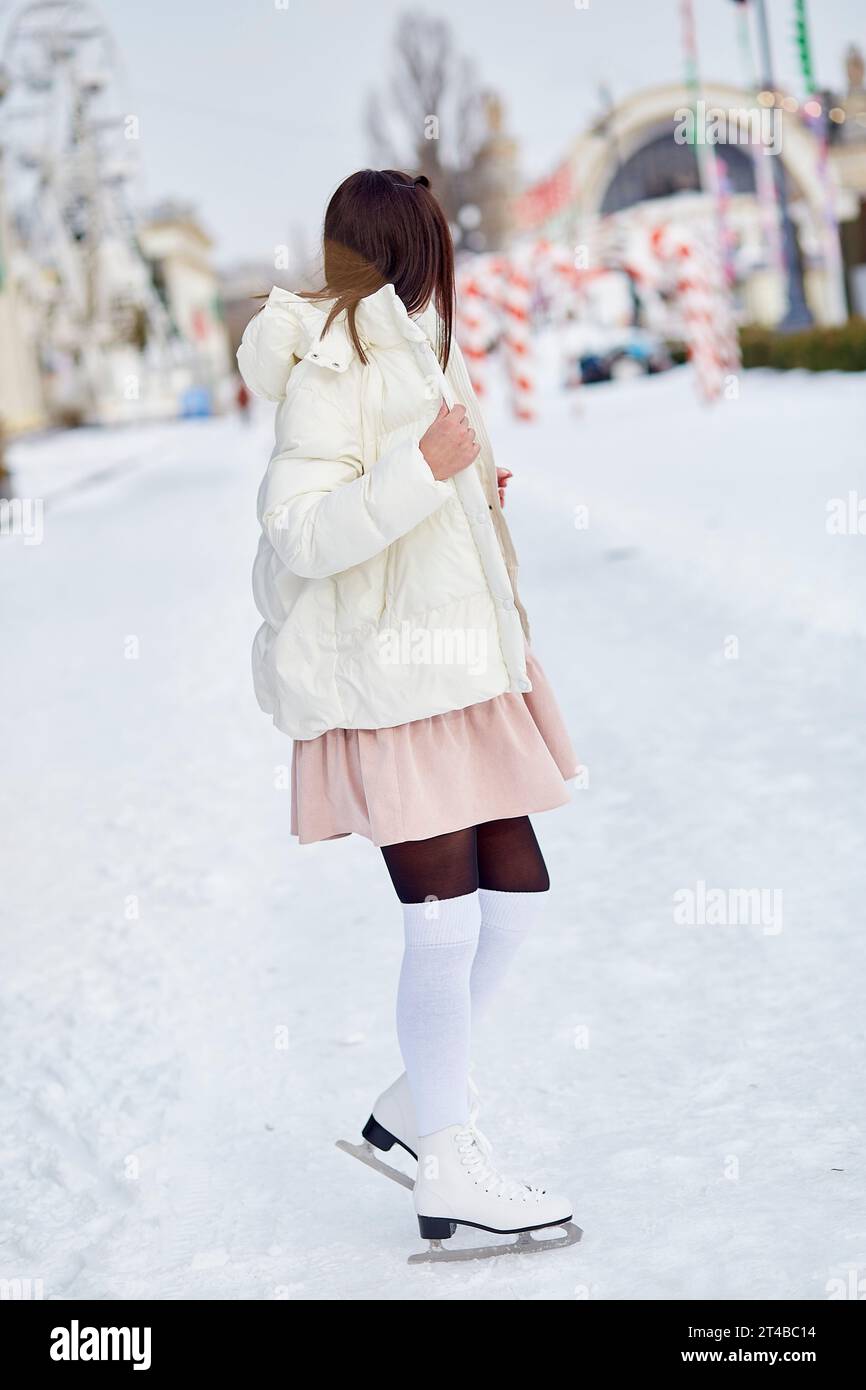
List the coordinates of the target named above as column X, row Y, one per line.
column 504, row 757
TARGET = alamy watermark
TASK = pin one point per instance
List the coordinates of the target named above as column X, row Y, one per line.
column 77, row 1343
column 22, row 516
column 738, row 125
column 21, row 1290
column 438, row 646
column 729, row 907
column 846, row 516
column 852, row 1286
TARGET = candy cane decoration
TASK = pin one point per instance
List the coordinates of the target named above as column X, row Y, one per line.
column 495, row 296
column 516, row 340
column 474, row 326
column 709, row 327
column 493, row 308
column 552, row 271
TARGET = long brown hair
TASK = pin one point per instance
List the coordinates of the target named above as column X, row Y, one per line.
column 385, row 226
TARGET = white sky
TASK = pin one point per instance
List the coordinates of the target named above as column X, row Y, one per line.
column 254, row 113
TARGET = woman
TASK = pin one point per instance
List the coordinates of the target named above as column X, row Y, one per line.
column 393, row 651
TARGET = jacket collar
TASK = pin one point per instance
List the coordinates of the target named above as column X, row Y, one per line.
column 381, row 320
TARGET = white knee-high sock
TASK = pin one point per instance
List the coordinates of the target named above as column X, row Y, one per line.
column 433, row 1007
column 506, row 918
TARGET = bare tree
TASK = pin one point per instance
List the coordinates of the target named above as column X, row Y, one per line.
column 433, row 120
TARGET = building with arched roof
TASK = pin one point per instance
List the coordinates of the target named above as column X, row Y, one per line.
column 636, row 156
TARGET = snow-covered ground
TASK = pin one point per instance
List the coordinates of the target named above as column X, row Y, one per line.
column 195, row 1008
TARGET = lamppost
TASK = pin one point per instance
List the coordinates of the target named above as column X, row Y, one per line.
column 797, row 314
column 4, row 87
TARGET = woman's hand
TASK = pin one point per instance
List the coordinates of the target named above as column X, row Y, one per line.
column 449, row 445
column 502, row 476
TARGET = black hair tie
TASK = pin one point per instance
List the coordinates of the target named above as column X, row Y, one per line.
column 423, row 180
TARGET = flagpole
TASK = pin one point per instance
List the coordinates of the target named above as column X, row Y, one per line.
column 815, row 113
column 797, row 315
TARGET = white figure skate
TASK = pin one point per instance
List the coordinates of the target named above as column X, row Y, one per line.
column 457, row 1185
column 392, row 1121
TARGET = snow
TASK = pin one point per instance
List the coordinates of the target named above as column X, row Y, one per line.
column 196, row 1009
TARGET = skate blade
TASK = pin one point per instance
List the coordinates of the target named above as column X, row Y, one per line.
column 525, row 1244
column 367, row 1154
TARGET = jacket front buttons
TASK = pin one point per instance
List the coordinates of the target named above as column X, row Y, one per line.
column 507, row 603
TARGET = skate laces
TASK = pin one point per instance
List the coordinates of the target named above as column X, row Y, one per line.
column 476, row 1155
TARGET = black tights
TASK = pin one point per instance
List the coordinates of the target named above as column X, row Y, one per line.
column 500, row 854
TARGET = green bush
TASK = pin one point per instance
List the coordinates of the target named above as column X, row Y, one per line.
column 678, row 351
column 841, row 349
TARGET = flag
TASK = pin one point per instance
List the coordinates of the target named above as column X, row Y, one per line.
column 544, row 199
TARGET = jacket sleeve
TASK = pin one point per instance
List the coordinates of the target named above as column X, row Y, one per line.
column 318, row 508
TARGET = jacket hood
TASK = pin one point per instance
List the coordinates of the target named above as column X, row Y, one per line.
column 291, row 329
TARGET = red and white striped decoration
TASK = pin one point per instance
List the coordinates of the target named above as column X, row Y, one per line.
column 495, row 297
column 544, row 199
column 473, row 326
column 691, row 265
column 516, row 340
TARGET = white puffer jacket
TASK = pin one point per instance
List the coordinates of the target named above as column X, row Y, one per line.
column 386, row 595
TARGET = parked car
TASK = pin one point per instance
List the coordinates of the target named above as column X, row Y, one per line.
column 593, row 353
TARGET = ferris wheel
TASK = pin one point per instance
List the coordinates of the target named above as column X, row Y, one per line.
column 68, row 169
